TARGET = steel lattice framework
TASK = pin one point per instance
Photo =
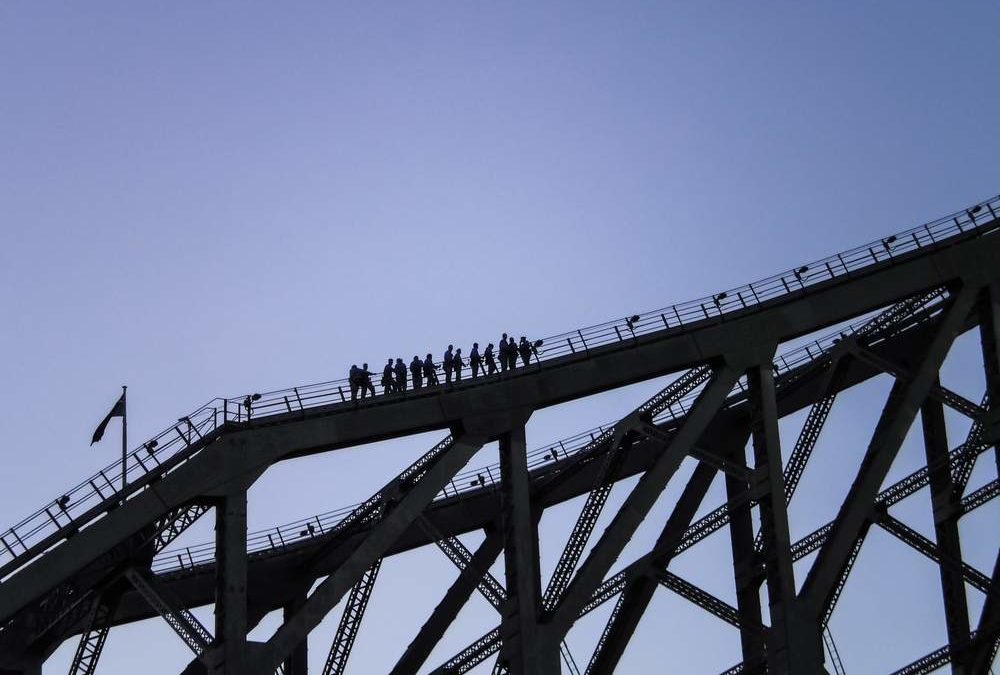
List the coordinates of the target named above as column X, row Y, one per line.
column 96, row 558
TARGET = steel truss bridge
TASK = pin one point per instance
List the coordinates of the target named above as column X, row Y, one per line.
column 98, row 557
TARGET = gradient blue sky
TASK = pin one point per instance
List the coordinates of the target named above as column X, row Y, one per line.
column 204, row 199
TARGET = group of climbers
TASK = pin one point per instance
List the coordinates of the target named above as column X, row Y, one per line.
column 425, row 372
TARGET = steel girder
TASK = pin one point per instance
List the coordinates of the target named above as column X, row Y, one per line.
column 533, row 625
column 963, row 457
column 696, row 530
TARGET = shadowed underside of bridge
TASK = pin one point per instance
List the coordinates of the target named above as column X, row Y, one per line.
column 91, row 566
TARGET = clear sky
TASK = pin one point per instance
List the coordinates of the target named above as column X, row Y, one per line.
column 204, row 199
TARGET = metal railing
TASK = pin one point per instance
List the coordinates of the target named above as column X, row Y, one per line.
column 552, row 456
column 977, row 219
column 92, row 498
column 101, row 492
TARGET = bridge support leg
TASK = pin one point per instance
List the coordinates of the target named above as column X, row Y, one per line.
column 792, row 646
column 297, row 662
column 984, row 648
column 231, row 580
column 989, row 333
column 956, row 608
column 745, row 572
column 522, row 651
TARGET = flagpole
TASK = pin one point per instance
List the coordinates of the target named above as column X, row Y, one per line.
column 124, row 442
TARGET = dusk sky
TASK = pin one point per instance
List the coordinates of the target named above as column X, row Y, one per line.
column 209, row 199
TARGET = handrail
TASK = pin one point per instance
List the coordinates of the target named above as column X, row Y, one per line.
column 486, row 478
column 93, row 497
column 929, row 236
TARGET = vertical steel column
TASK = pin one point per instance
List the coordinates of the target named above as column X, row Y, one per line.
column 946, row 512
column 794, row 646
column 989, row 335
column 521, row 649
column 231, row 579
column 745, row 572
column 297, row 662
column 985, row 646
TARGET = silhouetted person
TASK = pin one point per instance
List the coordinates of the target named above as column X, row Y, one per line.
column 447, row 363
column 356, row 380
column 504, row 361
column 511, row 353
column 366, row 381
column 430, row 371
column 491, row 363
column 475, row 360
column 400, row 369
column 457, row 364
column 524, row 349
column 417, row 372
column 388, row 385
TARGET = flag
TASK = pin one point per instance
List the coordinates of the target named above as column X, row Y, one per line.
column 117, row 411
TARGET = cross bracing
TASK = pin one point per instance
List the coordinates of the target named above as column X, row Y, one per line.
column 81, row 566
